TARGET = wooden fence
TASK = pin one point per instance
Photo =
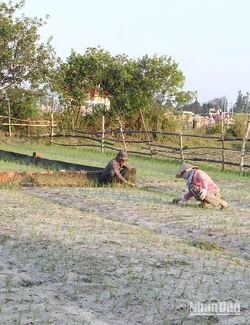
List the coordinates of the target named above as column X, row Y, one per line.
column 48, row 125
column 153, row 143
column 181, row 150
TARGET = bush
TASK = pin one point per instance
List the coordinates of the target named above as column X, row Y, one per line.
column 172, row 123
column 238, row 129
column 214, row 129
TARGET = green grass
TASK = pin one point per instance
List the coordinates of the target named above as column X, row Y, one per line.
column 146, row 166
column 206, row 245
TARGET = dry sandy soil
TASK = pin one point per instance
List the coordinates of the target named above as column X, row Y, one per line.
column 122, row 256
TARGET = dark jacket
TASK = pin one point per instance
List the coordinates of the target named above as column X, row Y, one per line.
column 112, row 172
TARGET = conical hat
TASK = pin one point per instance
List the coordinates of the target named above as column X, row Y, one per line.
column 184, row 166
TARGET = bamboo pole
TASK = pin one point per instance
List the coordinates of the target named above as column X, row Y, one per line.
column 222, row 145
column 103, row 134
column 244, row 145
column 144, row 125
column 9, row 118
column 121, row 130
column 181, row 146
column 28, row 124
column 28, row 128
column 52, row 121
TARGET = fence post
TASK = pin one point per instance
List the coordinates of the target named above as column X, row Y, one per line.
column 52, row 121
column 28, row 128
column 103, row 134
column 181, row 146
column 123, row 138
column 9, row 118
column 243, row 145
column 144, row 125
column 222, row 145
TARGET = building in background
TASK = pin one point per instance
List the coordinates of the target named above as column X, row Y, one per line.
column 96, row 100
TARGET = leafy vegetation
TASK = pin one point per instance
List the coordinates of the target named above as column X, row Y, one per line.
column 206, row 245
column 130, row 85
column 26, row 64
column 29, row 66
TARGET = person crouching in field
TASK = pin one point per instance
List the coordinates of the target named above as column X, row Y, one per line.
column 116, row 171
column 200, row 186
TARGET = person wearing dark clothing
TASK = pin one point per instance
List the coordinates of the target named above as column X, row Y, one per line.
column 116, row 171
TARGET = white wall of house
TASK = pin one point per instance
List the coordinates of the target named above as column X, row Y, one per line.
column 96, row 100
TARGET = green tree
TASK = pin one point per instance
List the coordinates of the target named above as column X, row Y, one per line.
column 239, row 105
column 242, row 102
column 220, row 104
column 80, row 77
column 25, row 62
column 131, row 85
column 194, row 107
column 23, row 104
column 151, row 77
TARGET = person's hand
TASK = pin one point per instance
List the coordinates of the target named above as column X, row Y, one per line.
column 203, row 195
column 176, row 201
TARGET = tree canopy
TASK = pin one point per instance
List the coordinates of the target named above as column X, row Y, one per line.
column 130, row 84
column 24, row 60
column 27, row 65
column 242, row 102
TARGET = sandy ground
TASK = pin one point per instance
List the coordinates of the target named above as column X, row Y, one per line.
column 121, row 256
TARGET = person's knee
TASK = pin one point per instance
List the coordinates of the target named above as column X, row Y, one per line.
column 125, row 172
column 107, row 178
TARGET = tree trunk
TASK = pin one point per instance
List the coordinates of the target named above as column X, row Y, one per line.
column 78, row 114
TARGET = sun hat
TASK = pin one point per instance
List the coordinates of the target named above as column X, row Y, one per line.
column 184, row 166
column 122, row 154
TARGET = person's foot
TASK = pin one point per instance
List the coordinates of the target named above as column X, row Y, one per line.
column 223, row 204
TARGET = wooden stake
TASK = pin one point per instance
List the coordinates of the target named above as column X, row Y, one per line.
column 244, row 145
column 121, row 130
column 144, row 125
column 103, row 134
column 222, row 144
column 181, row 146
column 52, row 121
column 9, row 118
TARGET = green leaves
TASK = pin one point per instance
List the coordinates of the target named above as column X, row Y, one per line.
column 24, row 60
column 130, row 84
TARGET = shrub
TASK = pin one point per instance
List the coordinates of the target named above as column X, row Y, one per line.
column 239, row 127
column 214, row 129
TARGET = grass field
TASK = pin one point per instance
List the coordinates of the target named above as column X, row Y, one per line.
column 119, row 255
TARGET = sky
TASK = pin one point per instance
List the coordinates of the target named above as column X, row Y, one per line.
column 209, row 39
